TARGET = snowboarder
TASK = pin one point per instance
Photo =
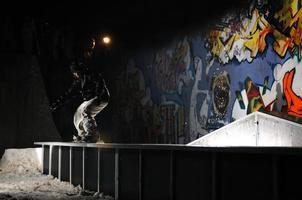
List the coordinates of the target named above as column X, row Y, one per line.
column 91, row 87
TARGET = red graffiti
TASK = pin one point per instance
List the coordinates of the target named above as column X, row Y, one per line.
column 294, row 102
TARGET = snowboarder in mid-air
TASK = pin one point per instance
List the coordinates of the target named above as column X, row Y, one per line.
column 91, row 86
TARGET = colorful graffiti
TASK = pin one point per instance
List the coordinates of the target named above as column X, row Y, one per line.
column 294, row 102
column 220, row 93
column 248, row 40
column 290, row 17
column 250, row 62
column 250, row 99
column 245, row 43
column 283, row 96
column 253, row 96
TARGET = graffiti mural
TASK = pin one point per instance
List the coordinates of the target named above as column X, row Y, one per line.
column 283, row 96
column 173, row 116
column 250, row 61
column 173, row 79
column 172, row 67
column 248, row 41
column 220, row 93
column 153, row 96
column 253, row 96
column 245, row 41
column 290, row 17
column 294, row 102
column 250, row 99
column 198, row 114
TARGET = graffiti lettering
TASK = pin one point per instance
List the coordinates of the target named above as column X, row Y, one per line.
column 294, row 102
column 247, row 42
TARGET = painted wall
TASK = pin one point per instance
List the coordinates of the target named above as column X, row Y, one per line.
column 250, row 61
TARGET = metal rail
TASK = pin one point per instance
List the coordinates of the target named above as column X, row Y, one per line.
column 148, row 171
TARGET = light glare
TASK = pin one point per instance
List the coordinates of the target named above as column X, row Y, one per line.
column 106, row 40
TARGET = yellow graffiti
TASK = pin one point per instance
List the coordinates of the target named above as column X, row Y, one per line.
column 217, row 44
column 250, row 39
column 291, row 19
column 288, row 11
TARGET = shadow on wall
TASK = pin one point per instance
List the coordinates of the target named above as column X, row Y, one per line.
column 25, row 116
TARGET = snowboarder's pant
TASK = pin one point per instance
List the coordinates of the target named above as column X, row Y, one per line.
column 84, row 117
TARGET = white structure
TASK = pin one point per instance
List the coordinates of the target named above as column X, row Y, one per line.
column 256, row 129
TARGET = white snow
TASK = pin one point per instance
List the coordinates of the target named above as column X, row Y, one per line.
column 21, row 178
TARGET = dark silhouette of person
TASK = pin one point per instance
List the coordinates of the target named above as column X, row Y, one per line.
column 91, row 87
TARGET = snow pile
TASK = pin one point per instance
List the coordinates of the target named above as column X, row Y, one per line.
column 22, row 161
column 21, row 178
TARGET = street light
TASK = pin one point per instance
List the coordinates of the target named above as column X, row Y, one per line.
column 106, row 40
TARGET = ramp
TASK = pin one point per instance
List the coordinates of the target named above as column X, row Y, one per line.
column 256, row 129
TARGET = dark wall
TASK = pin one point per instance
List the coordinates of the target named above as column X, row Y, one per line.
column 25, row 116
column 36, row 53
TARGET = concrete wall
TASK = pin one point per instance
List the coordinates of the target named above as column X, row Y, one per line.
column 25, row 115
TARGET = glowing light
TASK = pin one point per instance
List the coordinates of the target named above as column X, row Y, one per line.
column 106, row 40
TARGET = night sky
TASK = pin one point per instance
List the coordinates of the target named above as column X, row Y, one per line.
column 132, row 23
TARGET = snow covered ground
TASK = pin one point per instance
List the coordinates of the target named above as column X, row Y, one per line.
column 21, row 179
